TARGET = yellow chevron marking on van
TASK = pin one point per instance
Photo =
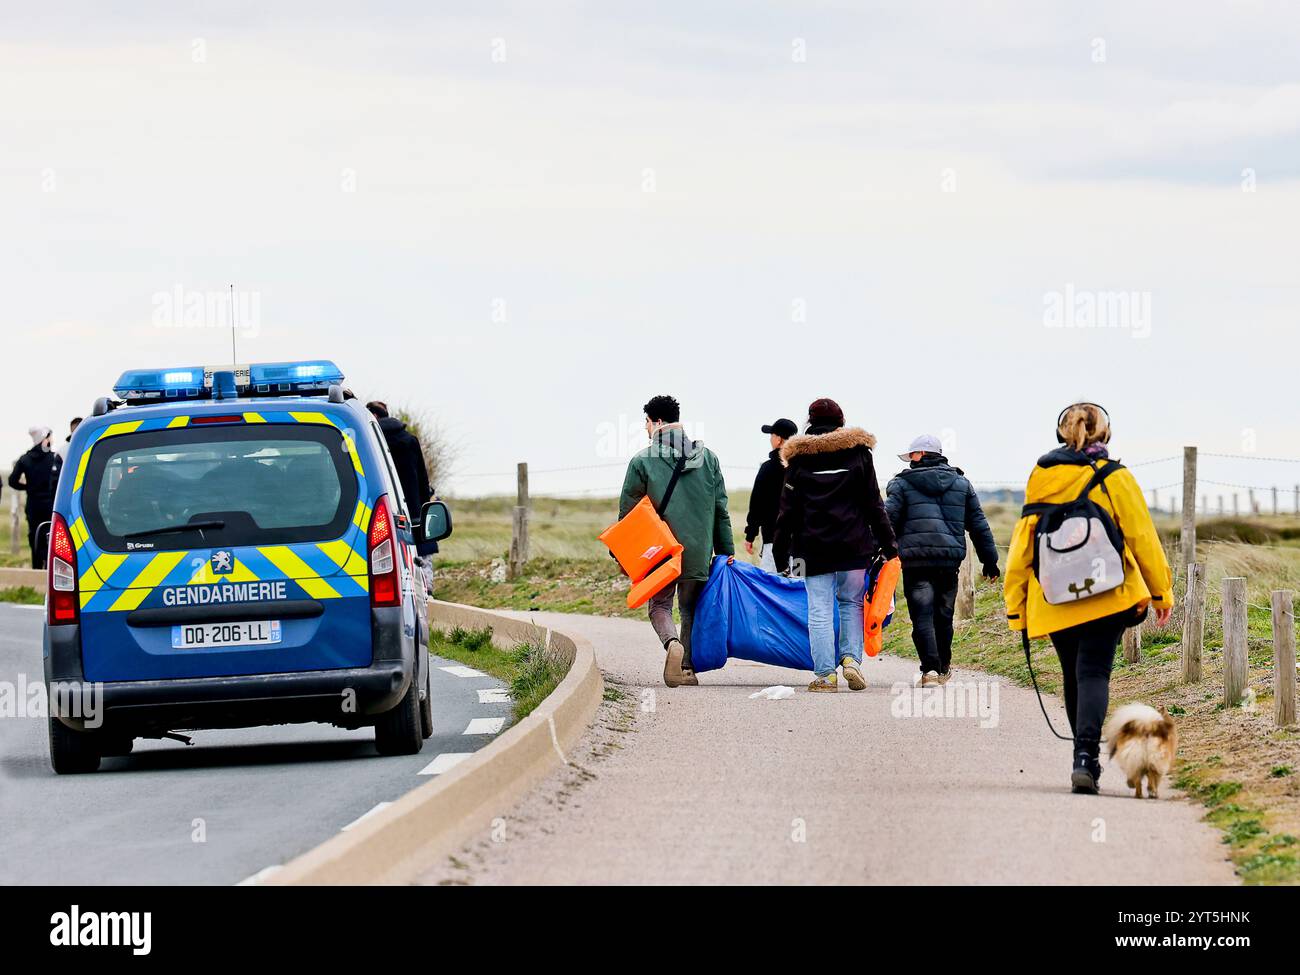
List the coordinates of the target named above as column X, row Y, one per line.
column 362, row 517
column 178, row 421
column 254, row 418
column 313, row 417
column 97, row 574
column 149, row 577
column 127, row 426
column 81, row 469
column 288, row 562
column 345, row 557
column 79, row 533
column 352, row 452
column 363, row 581
column 206, row 577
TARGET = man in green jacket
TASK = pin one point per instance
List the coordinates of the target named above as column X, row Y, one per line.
column 697, row 515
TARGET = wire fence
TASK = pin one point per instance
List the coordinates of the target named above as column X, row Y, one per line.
column 1166, row 497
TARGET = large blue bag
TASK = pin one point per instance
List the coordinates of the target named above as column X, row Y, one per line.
column 750, row 614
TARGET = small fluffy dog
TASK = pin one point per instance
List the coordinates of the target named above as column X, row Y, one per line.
column 1143, row 741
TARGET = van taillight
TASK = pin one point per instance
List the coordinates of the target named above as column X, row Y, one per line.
column 385, row 584
column 62, row 575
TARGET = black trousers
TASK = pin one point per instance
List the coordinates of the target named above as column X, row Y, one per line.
column 931, row 595
column 1087, row 654
column 37, row 514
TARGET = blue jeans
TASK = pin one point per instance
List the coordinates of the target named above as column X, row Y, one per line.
column 824, row 592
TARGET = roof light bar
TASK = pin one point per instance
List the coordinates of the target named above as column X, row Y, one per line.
column 145, row 386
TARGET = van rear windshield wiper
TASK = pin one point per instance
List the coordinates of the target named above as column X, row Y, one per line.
column 176, row 529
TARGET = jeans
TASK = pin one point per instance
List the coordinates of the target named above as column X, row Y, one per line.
column 1087, row 654
column 824, row 592
column 931, row 594
column 661, row 612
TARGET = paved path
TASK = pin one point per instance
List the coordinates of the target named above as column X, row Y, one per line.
column 218, row 812
column 712, row 787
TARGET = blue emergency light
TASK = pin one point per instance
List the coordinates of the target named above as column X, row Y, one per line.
column 139, row 386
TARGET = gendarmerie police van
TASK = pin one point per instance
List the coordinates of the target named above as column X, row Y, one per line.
column 231, row 548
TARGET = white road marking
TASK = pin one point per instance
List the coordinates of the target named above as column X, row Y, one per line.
column 258, row 877
column 367, row 814
column 484, row 726
column 445, row 763
column 494, row 695
column 460, row 671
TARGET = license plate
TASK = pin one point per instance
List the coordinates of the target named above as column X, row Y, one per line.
column 199, row 636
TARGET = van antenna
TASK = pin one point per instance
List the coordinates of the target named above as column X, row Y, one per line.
column 234, row 356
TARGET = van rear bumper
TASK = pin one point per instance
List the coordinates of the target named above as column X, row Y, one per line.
column 349, row 698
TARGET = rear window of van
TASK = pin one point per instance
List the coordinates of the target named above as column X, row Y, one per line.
column 219, row 486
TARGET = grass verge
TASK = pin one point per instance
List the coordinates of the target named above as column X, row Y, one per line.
column 528, row 669
column 25, row 595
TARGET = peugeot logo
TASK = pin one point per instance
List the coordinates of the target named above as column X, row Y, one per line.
column 223, row 561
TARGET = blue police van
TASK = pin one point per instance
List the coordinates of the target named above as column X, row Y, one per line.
column 230, row 547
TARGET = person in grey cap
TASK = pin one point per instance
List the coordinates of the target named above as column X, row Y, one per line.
column 932, row 506
column 765, row 499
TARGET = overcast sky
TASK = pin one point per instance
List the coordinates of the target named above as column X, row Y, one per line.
column 527, row 219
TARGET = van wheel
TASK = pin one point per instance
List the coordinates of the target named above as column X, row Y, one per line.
column 426, row 707
column 72, row 751
column 397, row 732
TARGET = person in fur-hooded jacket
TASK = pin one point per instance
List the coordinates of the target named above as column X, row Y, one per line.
column 830, row 524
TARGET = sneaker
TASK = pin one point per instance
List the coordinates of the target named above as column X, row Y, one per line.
column 1087, row 770
column 688, row 678
column 945, row 677
column 853, row 675
column 673, row 674
column 930, row 679
column 828, row 683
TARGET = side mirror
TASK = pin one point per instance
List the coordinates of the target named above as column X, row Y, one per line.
column 435, row 519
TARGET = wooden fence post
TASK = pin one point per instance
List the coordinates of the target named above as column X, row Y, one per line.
column 519, row 524
column 1234, row 640
column 1275, row 509
column 1133, row 643
column 1189, row 505
column 1193, row 623
column 966, row 586
column 1283, row 657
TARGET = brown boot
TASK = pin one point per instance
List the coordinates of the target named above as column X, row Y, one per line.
column 689, row 679
column 673, row 674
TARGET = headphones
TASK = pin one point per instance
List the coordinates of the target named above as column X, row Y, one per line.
column 1061, row 417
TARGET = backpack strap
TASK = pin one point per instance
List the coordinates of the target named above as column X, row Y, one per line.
column 672, row 482
column 1098, row 479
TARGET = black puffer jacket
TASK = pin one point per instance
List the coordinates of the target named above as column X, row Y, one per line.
column 932, row 506
column 765, row 499
column 831, row 518
column 37, row 473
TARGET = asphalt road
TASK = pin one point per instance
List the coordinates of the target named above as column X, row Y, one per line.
column 220, row 811
column 704, row 785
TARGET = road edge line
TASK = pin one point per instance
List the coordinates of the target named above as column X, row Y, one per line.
column 403, row 841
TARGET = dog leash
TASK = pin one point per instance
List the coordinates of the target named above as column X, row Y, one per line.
column 1024, row 637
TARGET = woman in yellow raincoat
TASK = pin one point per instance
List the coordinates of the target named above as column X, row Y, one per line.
column 1086, row 630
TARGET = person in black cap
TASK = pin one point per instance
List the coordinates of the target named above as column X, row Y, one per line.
column 765, row 499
